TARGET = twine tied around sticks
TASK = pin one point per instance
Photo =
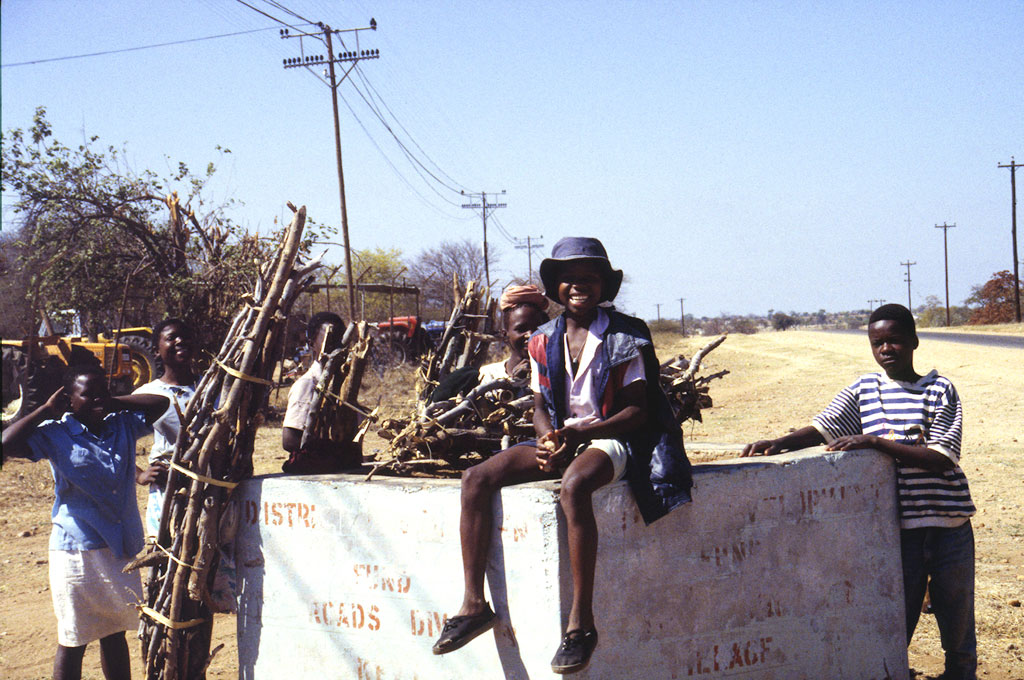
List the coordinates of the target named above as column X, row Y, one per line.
column 203, row 478
column 160, row 618
column 337, row 398
column 234, row 373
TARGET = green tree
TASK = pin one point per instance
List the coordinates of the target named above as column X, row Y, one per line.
column 994, row 300
column 782, row 321
column 90, row 229
column 383, row 266
column 932, row 314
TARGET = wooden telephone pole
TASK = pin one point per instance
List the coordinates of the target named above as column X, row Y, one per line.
column 311, row 61
column 945, row 255
column 485, row 209
column 1013, row 165
column 908, row 264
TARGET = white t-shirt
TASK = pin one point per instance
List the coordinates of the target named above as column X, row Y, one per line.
column 491, row 372
column 300, row 397
column 584, row 401
column 165, row 429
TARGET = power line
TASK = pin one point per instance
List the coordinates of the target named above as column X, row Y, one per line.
column 281, row 7
column 370, row 86
column 269, row 16
column 505, row 232
column 418, row 166
column 136, row 49
column 342, row 58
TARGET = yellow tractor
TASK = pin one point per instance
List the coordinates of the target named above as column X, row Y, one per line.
column 33, row 367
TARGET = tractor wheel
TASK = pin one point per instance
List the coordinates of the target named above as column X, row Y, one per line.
column 13, row 365
column 385, row 355
column 145, row 363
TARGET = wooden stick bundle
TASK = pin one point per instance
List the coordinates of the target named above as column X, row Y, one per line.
column 333, row 414
column 686, row 392
column 212, row 454
column 466, row 339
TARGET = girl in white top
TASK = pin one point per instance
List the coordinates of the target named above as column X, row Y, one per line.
column 522, row 311
column 175, row 346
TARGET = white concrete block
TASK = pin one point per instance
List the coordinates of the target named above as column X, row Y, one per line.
column 781, row 569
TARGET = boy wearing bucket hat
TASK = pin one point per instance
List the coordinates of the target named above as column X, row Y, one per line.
column 600, row 416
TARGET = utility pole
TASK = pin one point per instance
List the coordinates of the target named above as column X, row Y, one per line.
column 485, row 209
column 945, row 256
column 349, row 59
column 908, row 264
column 682, row 318
column 1013, row 165
column 529, row 247
column 658, row 305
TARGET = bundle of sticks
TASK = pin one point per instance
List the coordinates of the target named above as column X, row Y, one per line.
column 466, row 339
column 212, row 454
column 688, row 393
column 490, row 417
column 334, row 412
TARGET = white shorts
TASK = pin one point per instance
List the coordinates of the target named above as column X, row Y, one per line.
column 92, row 598
column 616, row 451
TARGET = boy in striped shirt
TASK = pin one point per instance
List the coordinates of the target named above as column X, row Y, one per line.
column 917, row 420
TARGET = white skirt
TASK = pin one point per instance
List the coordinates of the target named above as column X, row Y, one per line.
column 91, row 597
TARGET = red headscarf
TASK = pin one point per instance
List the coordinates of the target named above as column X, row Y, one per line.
column 517, row 295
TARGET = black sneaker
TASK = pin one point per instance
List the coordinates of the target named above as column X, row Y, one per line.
column 459, row 631
column 573, row 654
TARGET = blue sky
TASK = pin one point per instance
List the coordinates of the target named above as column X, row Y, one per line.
column 745, row 156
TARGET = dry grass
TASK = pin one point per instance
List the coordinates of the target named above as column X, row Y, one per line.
column 994, row 328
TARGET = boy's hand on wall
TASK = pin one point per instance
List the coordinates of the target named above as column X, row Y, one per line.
column 764, row 447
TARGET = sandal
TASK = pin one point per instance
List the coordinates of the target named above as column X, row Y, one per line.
column 574, row 653
column 459, row 631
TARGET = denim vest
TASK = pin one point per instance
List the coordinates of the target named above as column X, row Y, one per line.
column 658, row 471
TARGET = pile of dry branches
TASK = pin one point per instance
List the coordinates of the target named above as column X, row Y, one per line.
column 213, row 453
column 686, row 392
column 487, row 419
column 450, row 435
column 466, row 339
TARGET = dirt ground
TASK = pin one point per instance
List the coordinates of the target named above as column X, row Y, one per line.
column 777, row 381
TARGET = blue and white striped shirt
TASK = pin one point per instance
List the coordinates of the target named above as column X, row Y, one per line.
column 925, row 413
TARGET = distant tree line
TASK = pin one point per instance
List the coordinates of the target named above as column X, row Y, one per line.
column 989, row 303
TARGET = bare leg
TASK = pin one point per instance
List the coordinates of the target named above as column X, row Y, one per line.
column 67, row 665
column 114, row 658
column 591, row 470
column 479, row 484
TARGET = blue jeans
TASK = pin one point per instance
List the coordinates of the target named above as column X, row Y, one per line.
column 947, row 557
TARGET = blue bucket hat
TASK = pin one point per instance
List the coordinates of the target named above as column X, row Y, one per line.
column 576, row 248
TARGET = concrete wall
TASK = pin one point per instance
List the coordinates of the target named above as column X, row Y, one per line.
column 783, row 568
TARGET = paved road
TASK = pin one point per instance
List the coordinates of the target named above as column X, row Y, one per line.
column 987, row 339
